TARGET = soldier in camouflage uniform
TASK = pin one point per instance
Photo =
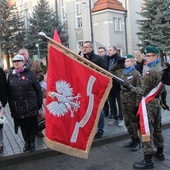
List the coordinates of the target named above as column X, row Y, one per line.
column 150, row 81
column 130, row 101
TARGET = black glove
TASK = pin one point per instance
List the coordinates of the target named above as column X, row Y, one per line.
column 166, row 76
column 39, row 106
column 127, row 86
column 163, row 101
column 165, row 106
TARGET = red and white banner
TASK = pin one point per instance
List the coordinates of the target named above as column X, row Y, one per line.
column 142, row 112
column 76, row 94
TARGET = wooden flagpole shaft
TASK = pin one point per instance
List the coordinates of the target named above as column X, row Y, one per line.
column 82, row 59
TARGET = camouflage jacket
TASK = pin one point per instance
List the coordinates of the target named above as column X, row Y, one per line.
column 150, row 80
column 134, row 78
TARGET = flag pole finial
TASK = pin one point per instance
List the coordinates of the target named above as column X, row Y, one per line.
column 44, row 35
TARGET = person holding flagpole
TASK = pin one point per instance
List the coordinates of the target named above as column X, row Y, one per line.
column 88, row 52
column 150, row 110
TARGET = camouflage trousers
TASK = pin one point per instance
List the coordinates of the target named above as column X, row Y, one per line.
column 130, row 119
column 154, row 120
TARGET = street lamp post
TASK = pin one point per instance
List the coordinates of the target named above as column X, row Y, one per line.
column 91, row 23
column 37, row 45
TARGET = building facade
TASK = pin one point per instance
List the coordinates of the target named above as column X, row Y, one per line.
column 105, row 22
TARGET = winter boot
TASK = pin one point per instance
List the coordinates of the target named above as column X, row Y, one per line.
column 32, row 147
column 145, row 164
column 130, row 144
column 159, row 154
column 136, row 145
column 26, row 138
column 26, row 146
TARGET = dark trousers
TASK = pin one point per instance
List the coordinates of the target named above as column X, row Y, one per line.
column 28, row 128
column 106, row 108
column 114, row 96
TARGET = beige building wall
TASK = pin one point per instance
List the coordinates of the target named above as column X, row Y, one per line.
column 104, row 34
column 102, row 23
column 132, row 6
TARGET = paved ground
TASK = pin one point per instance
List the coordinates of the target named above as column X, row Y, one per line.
column 13, row 144
column 106, row 157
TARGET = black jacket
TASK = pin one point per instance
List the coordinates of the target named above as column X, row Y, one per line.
column 116, row 69
column 96, row 59
column 139, row 66
column 3, row 89
column 24, row 94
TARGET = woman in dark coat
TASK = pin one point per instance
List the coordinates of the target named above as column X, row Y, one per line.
column 25, row 100
column 3, row 100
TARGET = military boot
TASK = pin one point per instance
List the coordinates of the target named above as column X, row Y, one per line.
column 130, row 143
column 159, row 154
column 136, row 145
column 145, row 164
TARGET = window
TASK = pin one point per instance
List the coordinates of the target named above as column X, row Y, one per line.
column 119, row 28
column 78, row 14
column 114, row 24
column 117, row 24
column 64, row 14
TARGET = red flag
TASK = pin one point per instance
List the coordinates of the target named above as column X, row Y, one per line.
column 56, row 36
column 76, row 95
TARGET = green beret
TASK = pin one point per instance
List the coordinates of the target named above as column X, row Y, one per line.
column 129, row 56
column 151, row 49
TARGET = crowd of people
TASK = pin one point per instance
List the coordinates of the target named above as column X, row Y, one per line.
column 140, row 74
column 21, row 88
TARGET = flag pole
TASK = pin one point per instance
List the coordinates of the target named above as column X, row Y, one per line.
column 84, row 60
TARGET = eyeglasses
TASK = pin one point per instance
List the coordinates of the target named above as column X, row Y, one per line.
column 149, row 56
column 86, row 47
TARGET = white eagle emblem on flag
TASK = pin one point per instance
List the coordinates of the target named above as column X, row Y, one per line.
column 65, row 100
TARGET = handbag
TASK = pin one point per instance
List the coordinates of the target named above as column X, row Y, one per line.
column 41, row 120
column 2, row 116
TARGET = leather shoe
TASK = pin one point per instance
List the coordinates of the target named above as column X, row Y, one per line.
column 98, row 135
column 143, row 165
column 26, row 147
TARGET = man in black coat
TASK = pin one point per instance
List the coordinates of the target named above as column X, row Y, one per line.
column 88, row 51
column 114, row 64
